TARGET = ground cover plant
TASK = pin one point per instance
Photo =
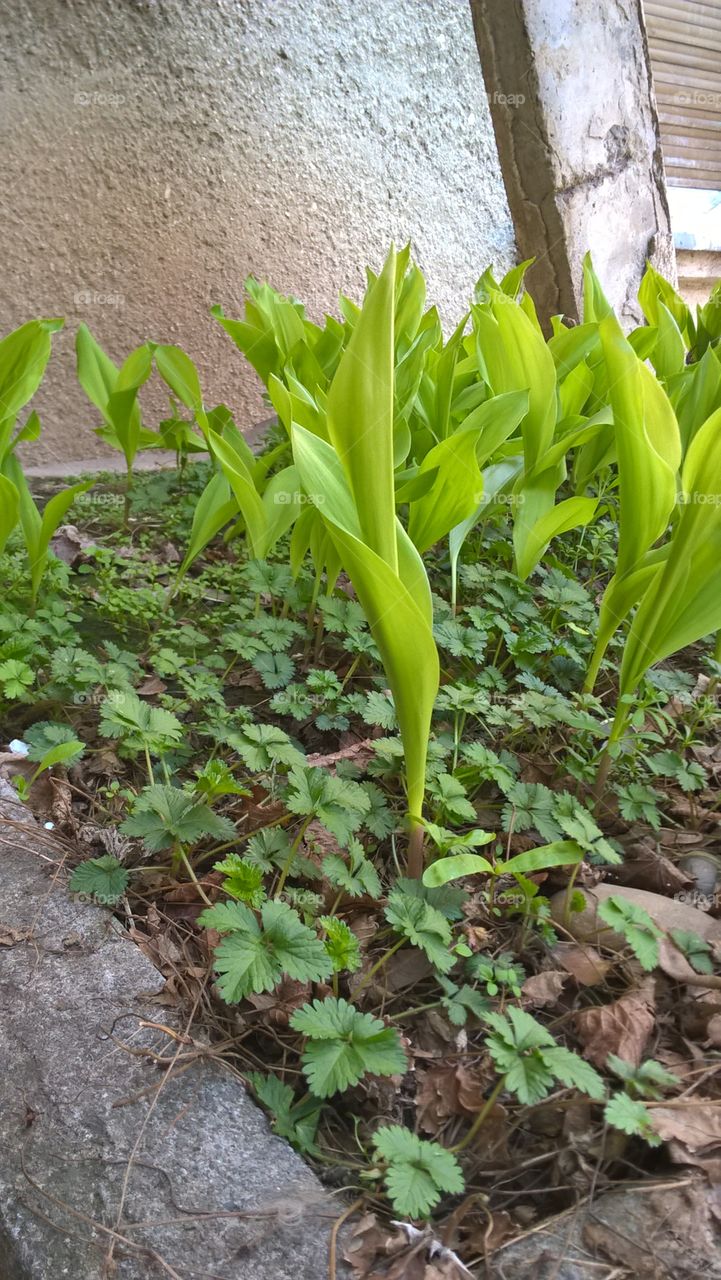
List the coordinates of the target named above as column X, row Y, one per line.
column 395, row 744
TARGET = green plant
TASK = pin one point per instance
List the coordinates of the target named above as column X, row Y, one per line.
column 164, row 817
column 139, row 726
column 24, row 355
column 295, row 1121
column 416, row 1173
column 624, row 1110
column 343, row 1045
column 560, row 853
column 115, row 393
column 351, row 480
column 636, row 926
column 64, row 752
column 254, row 955
column 102, row 879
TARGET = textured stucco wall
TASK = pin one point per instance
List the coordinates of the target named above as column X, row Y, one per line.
column 157, row 151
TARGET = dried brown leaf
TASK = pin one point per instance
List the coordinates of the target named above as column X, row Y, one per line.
column 584, row 963
column 696, row 1124
column 544, row 988
column 9, row 936
column 622, row 1027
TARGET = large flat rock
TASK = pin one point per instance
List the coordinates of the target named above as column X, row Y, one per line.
column 664, row 1231
column 207, row 1191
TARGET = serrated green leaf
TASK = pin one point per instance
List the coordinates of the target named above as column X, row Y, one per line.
column 636, row 925
column 254, row 956
column 632, row 1117
column 418, row 1172
column 103, row 879
column 423, row 926
column 344, row 1045
column 164, row 816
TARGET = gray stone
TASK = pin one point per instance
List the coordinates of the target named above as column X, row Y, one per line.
column 572, row 103
column 211, row 1193
column 668, row 1231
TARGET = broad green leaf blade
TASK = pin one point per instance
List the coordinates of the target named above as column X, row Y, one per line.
column 97, row 374
column 177, row 369
column 214, row 509
column 282, row 502
column 24, row 355
column 455, row 493
column 9, row 510
column 498, row 481
column 256, row 343
column 596, row 306
column 648, row 448
column 560, row 853
column 53, row 515
column 620, row 596
column 360, row 416
column 241, row 482
column 569, row 514
column 397, row 604
column 683, row 602
column 454, row 867
column 669, row 353
column 60, row 754
column 100, row 878
column 655, row 292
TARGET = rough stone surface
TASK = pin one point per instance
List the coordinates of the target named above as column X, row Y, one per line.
column 569, row 82
column 155, row 152
column 74, row 1103
column 670, row 1232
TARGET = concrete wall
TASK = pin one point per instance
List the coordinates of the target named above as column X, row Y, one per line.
column 699, row 270
column 157, row 151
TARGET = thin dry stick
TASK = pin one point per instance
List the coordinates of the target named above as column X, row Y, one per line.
column 142, row 1250
column 333, row 1243
column 108, row 1261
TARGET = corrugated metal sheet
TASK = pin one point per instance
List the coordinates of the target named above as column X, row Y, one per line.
column 684, row 40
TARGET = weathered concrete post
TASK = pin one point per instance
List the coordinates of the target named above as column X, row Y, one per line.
column 570, row 92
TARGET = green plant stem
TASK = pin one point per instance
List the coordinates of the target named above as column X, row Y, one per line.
column 569, row 894
column 411, row 1013
column 351, row 671
column 416, row 855
column 182, row 856
column 481, row 1117
column 149, row 766
column 711, row 689
column 126, row 499
column 378, row 965
column 291, row 856
column 604, row 764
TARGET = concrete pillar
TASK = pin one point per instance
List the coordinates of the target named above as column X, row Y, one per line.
column 571, row 98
